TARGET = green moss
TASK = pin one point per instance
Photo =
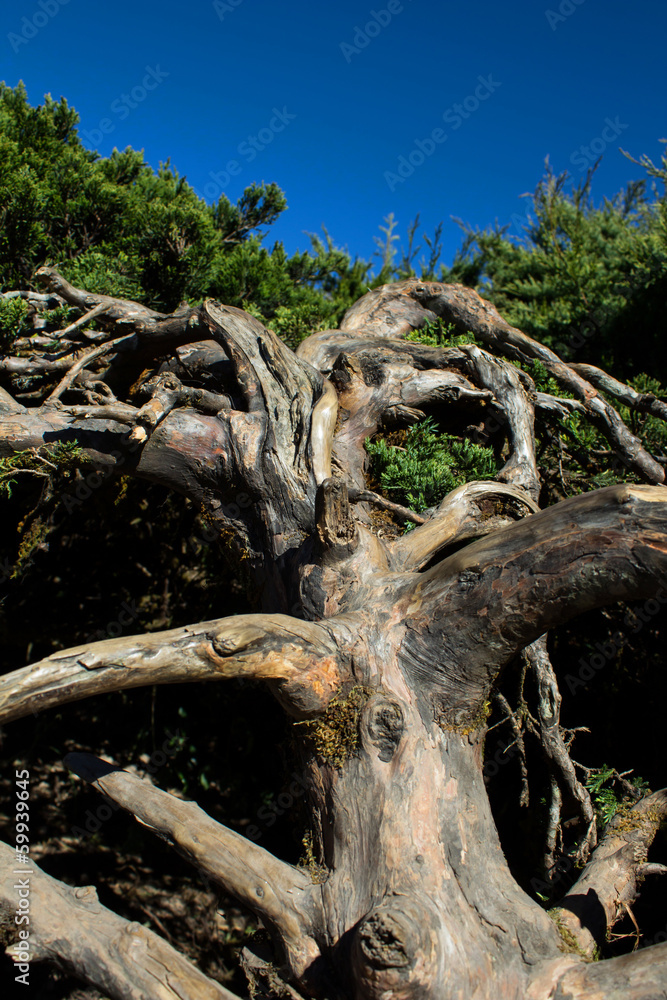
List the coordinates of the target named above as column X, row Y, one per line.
column 334, row 736
column 569, row 943
column 628, row 819
column 318, row 872
column 463, row 728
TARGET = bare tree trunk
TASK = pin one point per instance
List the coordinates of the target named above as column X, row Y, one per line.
column 385, row 651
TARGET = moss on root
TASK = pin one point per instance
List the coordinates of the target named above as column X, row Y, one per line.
column 334, row 735
column 319, row 873
column 465, row 726
column 569, row 943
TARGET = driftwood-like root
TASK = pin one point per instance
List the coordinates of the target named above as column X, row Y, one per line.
column 281, row 895
column 396, row 309
column 388, row 649
column 123, row 959
column 609, row 883
column 300, row 658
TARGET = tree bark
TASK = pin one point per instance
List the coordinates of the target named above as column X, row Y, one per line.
column 385, row 651
column 69, row 926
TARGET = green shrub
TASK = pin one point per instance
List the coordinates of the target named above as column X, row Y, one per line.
column 606, row 799
column 440, row 334
column 12, row 316
column 427, row 465
column 651, row 430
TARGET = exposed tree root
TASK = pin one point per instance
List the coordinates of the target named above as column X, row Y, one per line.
column 123, row 959
column 387, row 650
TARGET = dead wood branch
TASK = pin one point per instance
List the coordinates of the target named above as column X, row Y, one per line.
column 395, row 310
column 123, row 959
column 391, row 674
column 609, row 883
column 299, row 658
column 644, row 402
column 500, row 593
column 640, row 976
column 470, row 511
column 283, row 896
column 560, row 764
column 82, row 362
column 517, row 732
column 87, row 317
column 519, row 413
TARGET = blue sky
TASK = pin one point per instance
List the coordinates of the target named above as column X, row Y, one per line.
column 357, row 109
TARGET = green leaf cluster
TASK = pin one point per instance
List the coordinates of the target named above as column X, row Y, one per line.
column 588, row 280
column 12, row 316
column 115, row 226
column 440, row 334
column 651, row 430
column 427, row 465
column 60, row 457
column 600, row 783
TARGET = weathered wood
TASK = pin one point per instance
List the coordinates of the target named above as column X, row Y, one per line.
column 8, row 404
column 390, row 676
column 371, row 385
column 640, row 976
column 470, row 511
column 644, row 402
column 396, row 309
column 482, row 605
column 518, row 411
column 123, row 959
column 282, row 896
column 608, row 885
column 300, row 658
column 562, row 768
column 82, row 362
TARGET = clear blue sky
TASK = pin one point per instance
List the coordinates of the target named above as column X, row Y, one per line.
column 329, row 99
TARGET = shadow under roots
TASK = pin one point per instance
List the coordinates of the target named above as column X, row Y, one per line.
column 604, row 689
